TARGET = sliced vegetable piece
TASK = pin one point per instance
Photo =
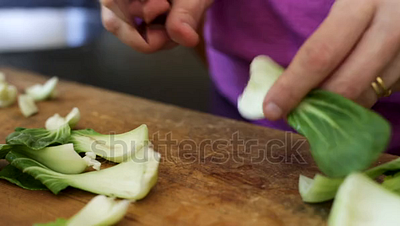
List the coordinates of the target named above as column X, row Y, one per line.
column 8, row 94
column 37, row 139
column 91, row 161
column 61, row 159
column 23, row 180
column 27, row 105
column 361, row 201
column 130, row 180
column 263, row 74
column 2, row 77
column 392, row 183
column 321, row 188
column 56, row 120
column 101, row 210
column 43, row 92
column 344, row 136
column 58, row 222
column 115, row 148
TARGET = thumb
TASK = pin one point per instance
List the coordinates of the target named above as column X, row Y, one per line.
column 183, row 21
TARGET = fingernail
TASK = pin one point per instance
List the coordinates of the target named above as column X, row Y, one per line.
column 272, row 111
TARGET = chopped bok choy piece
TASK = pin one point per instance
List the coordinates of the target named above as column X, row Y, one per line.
column 115, row 148
column 2, row 77
column 43, row 92
column 361, row 201
column 321, row 188
column 37, row 139
column 101, row 210
column 392, row 183
column 90, row 159
column 8, row 94
column 56, row 120
column 132, row 179
column 344, row 136
column 61, row 159
column 21, row 179
column 27, row 105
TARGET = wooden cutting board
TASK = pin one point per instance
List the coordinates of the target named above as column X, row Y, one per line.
column 214, row 171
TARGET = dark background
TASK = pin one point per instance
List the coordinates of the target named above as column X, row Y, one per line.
column 177, row 76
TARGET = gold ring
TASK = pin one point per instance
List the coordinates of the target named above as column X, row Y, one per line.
column 380, row 88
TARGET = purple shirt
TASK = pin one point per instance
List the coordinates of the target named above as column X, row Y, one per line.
column 237, row 31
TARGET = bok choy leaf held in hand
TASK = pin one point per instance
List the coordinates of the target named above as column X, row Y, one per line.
column 37, row 139
column 132, row 179
column 344, row 137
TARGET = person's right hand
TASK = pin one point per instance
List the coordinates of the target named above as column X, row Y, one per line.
column 180, row 28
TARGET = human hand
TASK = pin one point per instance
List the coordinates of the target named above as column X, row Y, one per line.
column 357, row 42
column 180, row 28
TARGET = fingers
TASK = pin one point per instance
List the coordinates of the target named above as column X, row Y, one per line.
column 391, row 78
column 183, row 20
column 374, row 52
column 147, row 10
column 119, row 9
column 157, row 37
column 319, row 56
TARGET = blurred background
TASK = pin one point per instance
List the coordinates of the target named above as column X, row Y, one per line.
column 65, row 38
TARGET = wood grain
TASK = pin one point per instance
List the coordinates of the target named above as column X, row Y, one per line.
column 204, row 179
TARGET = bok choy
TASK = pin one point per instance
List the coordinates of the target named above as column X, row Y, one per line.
column 132, row 179
column 115, row 148
column 344, row 136
column 27, row 105
column 62, row 158
column 321, row 188
column 8, row 94
column 57, row 121
column 43, row 92
column 362, row 202
column 101, row 210
column 37, row 139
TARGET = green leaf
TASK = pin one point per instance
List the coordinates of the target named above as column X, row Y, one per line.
column 388, row 168
column 16, row 176
column 37, row 139
column 392, row 183
column 4, row 149
column 344, row 136
column 52, row 180
column 58, row 222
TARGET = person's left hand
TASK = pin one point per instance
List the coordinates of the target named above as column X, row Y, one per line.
column 357, row 42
